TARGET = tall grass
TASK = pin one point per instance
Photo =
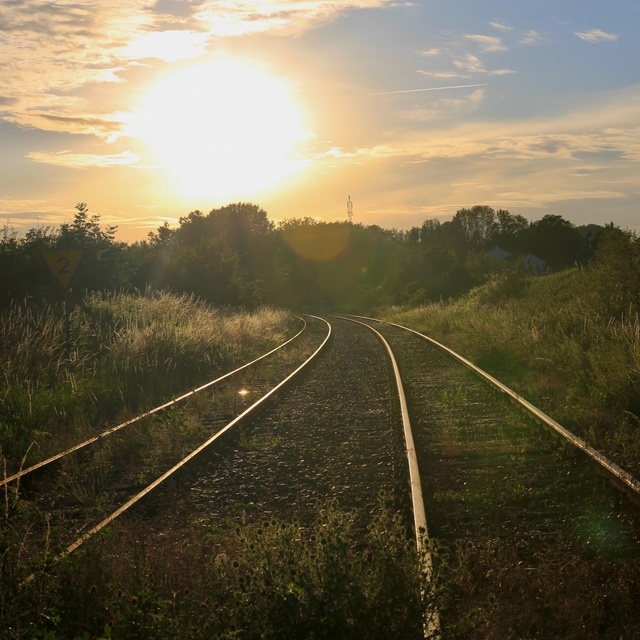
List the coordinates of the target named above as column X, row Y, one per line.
column 546, row 339
column 267, row 580
column 128, row 353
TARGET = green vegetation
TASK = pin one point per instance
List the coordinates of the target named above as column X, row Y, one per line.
column 129, row 353
column 568, row 342
column 236, row 256
column 266, row 580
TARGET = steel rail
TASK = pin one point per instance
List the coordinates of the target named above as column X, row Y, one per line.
column 108, row 432
column 621, row 479
column 158, row 481
column 419, row 514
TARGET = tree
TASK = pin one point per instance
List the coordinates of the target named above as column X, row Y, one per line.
column 478, row 225
column 555, row 240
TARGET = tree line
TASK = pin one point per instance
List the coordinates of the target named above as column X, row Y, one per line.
column 236, row 256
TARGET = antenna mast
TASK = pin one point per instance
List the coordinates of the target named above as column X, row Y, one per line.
column 350, row 211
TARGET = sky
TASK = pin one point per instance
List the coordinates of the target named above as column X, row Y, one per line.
column 149, row 110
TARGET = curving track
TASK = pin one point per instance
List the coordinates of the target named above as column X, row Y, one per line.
column 525, row 517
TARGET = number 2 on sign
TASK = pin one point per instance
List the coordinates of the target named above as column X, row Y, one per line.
column 63, row 263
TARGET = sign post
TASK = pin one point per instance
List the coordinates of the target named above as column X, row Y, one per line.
column 63, row 263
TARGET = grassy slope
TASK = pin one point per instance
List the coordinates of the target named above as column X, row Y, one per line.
column 541, row 337
column 129, row 353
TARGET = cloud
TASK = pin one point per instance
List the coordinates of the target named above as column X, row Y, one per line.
column 84, row 160
column 545, row 197
column 488, row 43
column 470, row 64
column 530, row 37
column 430, row 52
column 501, row 26
column 445, row 108
column 50, row 49
column 608, row 131
column 442, row 74
column 169, row 46
column 596, row 35
column 501, row 72
column 240, row 17
column 80, row 124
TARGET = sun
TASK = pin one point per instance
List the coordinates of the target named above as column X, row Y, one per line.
column 222, row 128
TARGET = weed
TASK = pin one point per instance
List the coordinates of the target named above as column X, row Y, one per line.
column 551, row 344
column 267, row 580
column 129, row 352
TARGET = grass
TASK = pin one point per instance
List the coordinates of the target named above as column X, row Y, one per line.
column 129, row 353
column 545, row 338
column 266, row 580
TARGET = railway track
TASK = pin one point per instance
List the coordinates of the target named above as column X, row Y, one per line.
column 524, row 519
column 546, row 542
column 74, row 488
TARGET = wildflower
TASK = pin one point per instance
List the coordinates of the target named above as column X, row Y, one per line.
column 93, row 588
column 368, row 553
column 134, row 600
column 202, row 605
column 150, row 586
column 216, row 604
column 112, row 623
column 186, row 591
column 119, row 593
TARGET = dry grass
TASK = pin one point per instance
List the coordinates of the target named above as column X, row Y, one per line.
column 128, row 353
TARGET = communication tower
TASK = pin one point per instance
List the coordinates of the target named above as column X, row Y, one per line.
column 350, row 211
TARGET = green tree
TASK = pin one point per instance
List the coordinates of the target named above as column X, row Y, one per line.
column 555, row 240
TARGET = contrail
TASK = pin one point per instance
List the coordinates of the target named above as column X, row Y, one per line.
column 457, row 86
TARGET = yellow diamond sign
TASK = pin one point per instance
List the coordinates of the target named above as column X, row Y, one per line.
column 63, row 263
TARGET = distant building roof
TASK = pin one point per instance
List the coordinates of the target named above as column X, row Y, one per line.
column 534, row 263
column 498, row 253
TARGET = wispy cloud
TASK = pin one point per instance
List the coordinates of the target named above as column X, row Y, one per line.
column 487, row 43
column 596, row 35
column 49, row 49
column 501, row 72
column 442, row 74
column 430, row 52
column 530, row 37
column 470, row 64
column 526, row 37
column 169, row 46
column 84, row 160
column 501, row 26
column 446, row 107
column 239, row 17
column 80, row 124
column 565, row 138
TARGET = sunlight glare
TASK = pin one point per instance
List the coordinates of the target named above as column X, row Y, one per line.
column 222, row 128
